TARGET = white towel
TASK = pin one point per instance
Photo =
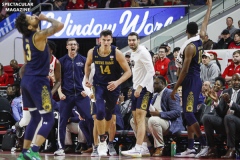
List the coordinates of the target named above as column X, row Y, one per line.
column 179, row 60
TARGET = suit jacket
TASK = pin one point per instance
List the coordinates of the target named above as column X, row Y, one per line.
column 223, row 107
column 171, row 111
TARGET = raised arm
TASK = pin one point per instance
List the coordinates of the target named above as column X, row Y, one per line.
column 203, row 29
column 56, row 27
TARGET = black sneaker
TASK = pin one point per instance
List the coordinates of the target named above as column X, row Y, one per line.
column 19, row 130
column 78, row 148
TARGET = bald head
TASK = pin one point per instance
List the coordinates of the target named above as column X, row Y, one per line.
column 14, row 64
column 236, row 81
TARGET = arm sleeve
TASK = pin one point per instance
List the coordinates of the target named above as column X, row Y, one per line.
column 147, row 62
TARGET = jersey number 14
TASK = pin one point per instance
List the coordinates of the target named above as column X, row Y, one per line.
column 105, row 70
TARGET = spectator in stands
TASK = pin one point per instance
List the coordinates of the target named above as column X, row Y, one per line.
column 235, row 44
column 16, row 68
column 11, row 92
column 230, row 27
column 213, row 120
column 172, row 69
column 134, row 3
column 214, row 56
column 73, row 127
column 156, row 2
column 58, row 5
column 17, row 105
column 179, row 91
column 75, row 4
column 161, row 66
column 207, row 43
column 239, row 24
column 125, row 3
column 92, row 4
column 110, row 4
column 125, row 86
column 229, row 106
column 224, row 41
column 206, row 87
column 209, row 69
column 165, row 115
column 3, row 77
column 233, row 67
column 155, row 57
column 169, row 53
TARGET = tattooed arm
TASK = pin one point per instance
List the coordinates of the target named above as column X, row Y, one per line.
column 40, row 38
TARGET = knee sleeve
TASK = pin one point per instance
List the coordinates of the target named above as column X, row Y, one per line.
column 190, row 118
column 47, row 124
column 100, row 107
column 32, row 126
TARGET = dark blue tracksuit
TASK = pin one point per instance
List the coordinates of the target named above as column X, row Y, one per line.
column 72, row 76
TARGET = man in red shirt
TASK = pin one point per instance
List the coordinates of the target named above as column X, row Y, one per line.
column 233, row 67
column 161, row 65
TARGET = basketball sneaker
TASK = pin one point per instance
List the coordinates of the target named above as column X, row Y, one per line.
column 59, row 152
column 189, row 153
column 32, row 155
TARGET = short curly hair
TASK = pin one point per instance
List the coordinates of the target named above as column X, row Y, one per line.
column 22, row 24
column 192, row 28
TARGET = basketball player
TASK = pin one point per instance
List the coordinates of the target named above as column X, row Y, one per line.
column 111, row 130
column 108, row 61
column 189, row 78
column 143, row 72
column 35, row 84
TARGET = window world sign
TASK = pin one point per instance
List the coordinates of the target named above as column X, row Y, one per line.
column 89, row 23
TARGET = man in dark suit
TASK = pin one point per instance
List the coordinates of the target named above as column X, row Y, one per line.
column 230, row 105
column 165, row 115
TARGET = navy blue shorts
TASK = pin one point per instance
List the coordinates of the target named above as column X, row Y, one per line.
column 94, row 109
column 143, row 101
column 110, row 97
column 191, row 88
column 36, row 93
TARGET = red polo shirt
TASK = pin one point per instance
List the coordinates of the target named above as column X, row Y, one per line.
column 162, row 67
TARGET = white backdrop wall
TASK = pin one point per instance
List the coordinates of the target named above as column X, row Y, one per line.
column 7, row 48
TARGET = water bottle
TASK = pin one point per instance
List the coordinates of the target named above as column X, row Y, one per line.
column 173, row 148
column 120, row 150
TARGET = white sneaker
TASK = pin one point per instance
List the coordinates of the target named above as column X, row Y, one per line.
column 102, row 148
column 145, row 150
column 59, row 152
column 189, row 153
column 202, row 152
column 125, row 152
column 133, row 153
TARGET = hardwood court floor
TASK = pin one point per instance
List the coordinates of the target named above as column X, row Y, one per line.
column 86, row 156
